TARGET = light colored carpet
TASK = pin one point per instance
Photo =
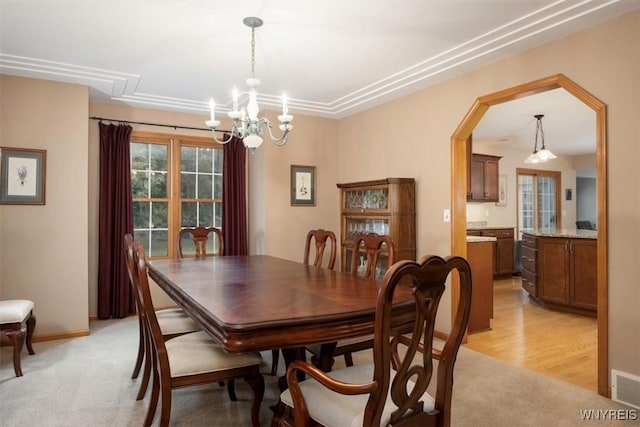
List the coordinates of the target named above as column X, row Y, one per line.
column 86, row 382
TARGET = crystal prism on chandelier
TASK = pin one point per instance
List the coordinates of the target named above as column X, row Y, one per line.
column 246, row 124
column 542, row 155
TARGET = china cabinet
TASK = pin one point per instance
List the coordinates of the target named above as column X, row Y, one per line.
column 385, row 206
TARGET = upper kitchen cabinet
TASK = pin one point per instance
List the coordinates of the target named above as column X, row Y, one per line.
column 484, row 172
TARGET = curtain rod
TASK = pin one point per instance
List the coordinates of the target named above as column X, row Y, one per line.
column 156, row 124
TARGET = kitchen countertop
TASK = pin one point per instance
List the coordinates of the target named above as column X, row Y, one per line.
column 475, row 239
column 482, row 225
column 565, row 232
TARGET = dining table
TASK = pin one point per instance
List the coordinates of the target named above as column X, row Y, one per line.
column 261, row 302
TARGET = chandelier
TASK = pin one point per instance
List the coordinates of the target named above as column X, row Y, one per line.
column 246, row 124
column 542, row 155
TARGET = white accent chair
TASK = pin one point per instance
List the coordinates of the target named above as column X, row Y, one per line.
column 16, row 316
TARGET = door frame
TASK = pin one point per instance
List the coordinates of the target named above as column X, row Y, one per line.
column 459, row 173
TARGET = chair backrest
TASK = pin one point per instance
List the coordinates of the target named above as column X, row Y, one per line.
column 141, row 282
column 584, row 225
column 427, row 277
column 321, row 236
column 129, row 251
column 368, row 261
column 200, row 236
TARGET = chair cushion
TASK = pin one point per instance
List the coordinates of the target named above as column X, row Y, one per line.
column 174, row 321
column 338, row 410
column 15, row 310
column 197, row 353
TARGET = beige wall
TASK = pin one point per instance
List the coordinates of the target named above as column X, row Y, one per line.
column 409, row 137
column 43, row 249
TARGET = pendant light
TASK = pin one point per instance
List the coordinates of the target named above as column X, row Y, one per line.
column 542, row 155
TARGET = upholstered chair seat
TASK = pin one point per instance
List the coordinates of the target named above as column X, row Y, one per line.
column 339, row 410
column 16, row 316
column 197, row 353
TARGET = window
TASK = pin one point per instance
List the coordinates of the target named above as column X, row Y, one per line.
column 538, row 200
column 176, row 182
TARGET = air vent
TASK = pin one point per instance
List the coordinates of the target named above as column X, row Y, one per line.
column 625, row 388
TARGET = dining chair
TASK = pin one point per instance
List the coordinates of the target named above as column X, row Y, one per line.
column 319, row 238
column 365, row 257
column 203, row 244
column 393, row 389
column 16, row 316
column 173, row 322
column 189, row 359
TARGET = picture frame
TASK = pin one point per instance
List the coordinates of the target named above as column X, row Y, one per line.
column 502, row 191
column 303, row 185
column 22, row 176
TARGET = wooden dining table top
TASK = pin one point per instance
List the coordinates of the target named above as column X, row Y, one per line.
column 260, row 302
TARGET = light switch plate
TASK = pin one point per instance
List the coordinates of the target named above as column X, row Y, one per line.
column 446, row 215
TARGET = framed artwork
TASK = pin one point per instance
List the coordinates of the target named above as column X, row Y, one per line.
column 22, row 176
column 303, row 185
column 502, row 191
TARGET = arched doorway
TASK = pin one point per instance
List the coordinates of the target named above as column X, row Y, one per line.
column 459, row 190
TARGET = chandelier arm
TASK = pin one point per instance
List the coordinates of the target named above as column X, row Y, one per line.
column 277, row 141
column 213, row 133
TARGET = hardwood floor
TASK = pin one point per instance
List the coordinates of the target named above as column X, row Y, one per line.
column 557, row 344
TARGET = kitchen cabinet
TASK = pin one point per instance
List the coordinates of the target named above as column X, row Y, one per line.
column 385, row 206
column 566, row 270
column 484, row 178
column 480, row 258
column 529, row 260
column 503, row 249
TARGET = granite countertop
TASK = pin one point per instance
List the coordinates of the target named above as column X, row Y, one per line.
column 482, row 225
column 565, row 232
column 475, row 239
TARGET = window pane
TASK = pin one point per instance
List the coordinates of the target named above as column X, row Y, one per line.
column 141, row 215
column 218, row 215
column 158, row 157
column 205, row 159
column 217, row 191
column 204, row 186
column 159, row 215
column 189, row 214
column 188, row 185
column 206, row 215
column 217, row 156
column 140, row 184
column 139, row 156
column 188, row 159
column 158, row 185
column 159, row 243
column 144, row 237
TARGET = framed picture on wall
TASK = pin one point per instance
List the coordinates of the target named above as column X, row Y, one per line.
column 303, row 185
column 502, row 191
column 22, row 176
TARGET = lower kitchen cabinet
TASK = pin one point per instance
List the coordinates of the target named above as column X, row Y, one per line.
column 564, row 274
column 503, row 249
column 480, row 258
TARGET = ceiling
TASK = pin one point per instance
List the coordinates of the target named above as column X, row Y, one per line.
column 333, row 58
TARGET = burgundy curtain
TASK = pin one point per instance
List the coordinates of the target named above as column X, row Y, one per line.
column 115, row 298
column 234, row 205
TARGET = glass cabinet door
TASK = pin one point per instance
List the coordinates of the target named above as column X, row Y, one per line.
column 375, row 198
column 381, row 268
column 357, row 225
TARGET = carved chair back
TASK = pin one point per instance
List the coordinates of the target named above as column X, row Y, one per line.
column 367, row 249
column 320, row 238
column 413, row 367
column 203, row 245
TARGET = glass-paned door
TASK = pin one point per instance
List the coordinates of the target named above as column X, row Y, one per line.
column 538, row 200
